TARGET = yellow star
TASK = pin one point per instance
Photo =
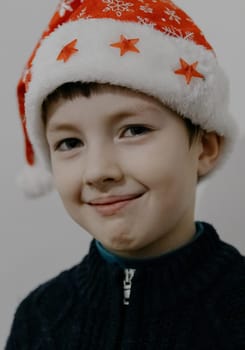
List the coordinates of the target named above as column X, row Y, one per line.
column 189, row 71
column 68, row 51
column 126, row 45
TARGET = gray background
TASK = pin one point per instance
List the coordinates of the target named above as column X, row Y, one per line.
column 38, row 239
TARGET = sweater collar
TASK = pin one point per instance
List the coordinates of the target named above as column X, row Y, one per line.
column 181, row 274
column 134, row 263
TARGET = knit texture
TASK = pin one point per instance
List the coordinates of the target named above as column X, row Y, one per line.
column 193, row 299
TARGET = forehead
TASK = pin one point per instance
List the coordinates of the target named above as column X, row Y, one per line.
column 108, row 105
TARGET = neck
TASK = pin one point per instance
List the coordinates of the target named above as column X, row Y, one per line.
column 127, row 262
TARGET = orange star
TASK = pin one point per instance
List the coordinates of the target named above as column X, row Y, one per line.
column 189, row 71
column 68, row 51
column 126, row 45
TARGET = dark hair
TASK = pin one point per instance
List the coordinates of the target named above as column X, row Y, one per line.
column 74, row 89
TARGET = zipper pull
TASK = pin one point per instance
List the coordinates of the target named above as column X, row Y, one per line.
column 127, row 284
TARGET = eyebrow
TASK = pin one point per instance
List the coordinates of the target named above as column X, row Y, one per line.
column 55, row 127
column 115, row 117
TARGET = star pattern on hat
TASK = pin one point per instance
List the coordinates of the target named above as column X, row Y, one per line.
column 126, row 45
column 188, row 70
column 68, row 51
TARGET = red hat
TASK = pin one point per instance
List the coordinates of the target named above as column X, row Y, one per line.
column 151, row 46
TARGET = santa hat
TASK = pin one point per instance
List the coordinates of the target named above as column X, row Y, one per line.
column 151, row 46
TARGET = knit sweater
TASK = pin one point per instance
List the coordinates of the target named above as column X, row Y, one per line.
column 191, row 299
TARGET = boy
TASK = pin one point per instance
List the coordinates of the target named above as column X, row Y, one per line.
column 126, row 106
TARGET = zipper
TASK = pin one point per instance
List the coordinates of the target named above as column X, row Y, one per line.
column 127, row 284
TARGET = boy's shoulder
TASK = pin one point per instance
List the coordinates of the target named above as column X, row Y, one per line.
column 41, row 309
column 50, row 300
column 231, row 278
column 232, row 281
column 230, row 308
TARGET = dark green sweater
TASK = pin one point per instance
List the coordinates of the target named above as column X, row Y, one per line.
column 191, row 299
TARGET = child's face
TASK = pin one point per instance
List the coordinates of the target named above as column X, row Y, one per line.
column 95, row 153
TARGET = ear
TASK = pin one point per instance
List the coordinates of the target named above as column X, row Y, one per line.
column 211, row 144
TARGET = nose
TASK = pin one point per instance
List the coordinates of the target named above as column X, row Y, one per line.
column 101, row 166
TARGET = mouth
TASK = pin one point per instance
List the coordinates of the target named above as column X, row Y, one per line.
column 108, row 209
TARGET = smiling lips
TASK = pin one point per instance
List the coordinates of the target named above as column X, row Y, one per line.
column 109, row 206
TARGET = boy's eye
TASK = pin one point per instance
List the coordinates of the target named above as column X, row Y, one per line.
column 72, row 142
column 137, row 129
column 68, row 144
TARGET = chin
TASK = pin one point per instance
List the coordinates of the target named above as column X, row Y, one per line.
column 119, row 243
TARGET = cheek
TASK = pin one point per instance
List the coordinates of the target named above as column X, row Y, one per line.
column 158, row 164
column 165, row 170
column 66, row 180
column 68, row 187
